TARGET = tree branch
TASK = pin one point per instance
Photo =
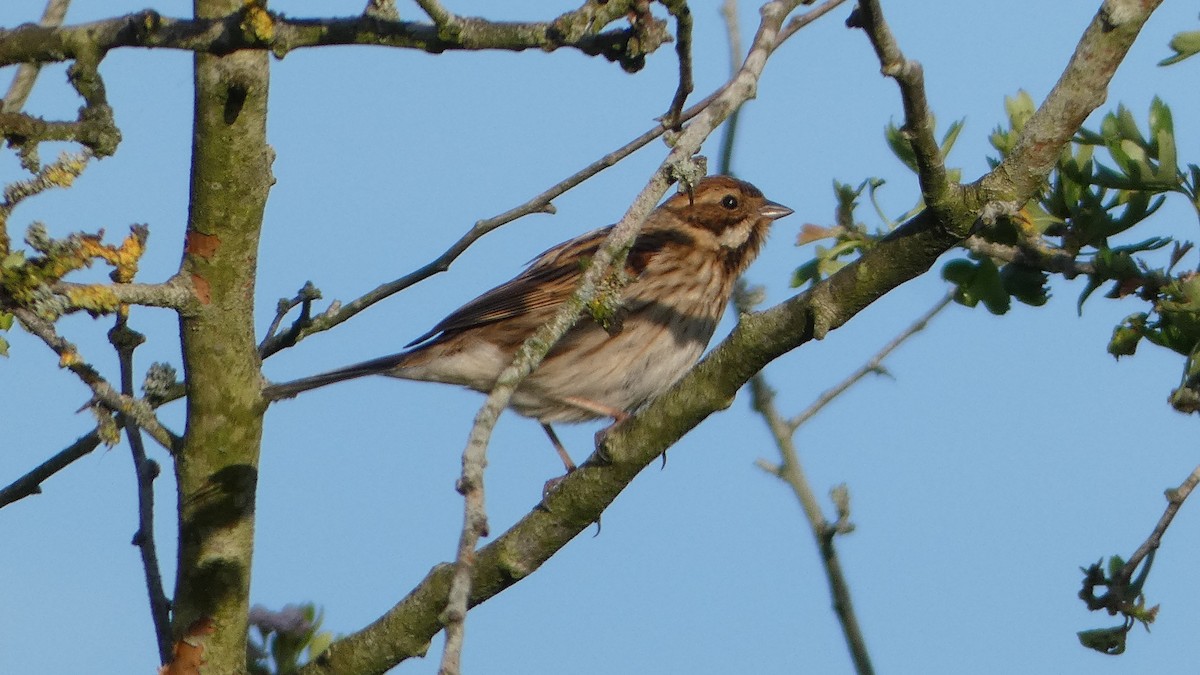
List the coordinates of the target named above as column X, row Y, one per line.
column 216, row 470
column 256, row 29
column 22, row 82
column 125, row 341
column 1081, row 89
column 873, row 365
column 31, row 483
column 792, row 473
column 135, row 409
column 918, row 121
column 683, row 49
column 1175, row 499
column 338, row 313
column 405, row 630
column 1033, row 253
column 175, row 293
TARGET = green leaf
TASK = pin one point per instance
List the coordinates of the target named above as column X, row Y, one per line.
column 990, row 288
column 805, row 273
column 1026, row 284
column 1109, row 641
column 959, row 272
column 1127, row 126
column 951, row 136
column 1019, row 108
column 901, row 146
column 3, row 347
column 1184, row 44
column 1126, row 336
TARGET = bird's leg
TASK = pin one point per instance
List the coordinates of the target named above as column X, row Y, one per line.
column 563, row 455
column 558, row 447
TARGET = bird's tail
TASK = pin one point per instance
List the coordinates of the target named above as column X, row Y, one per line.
column 379, row 366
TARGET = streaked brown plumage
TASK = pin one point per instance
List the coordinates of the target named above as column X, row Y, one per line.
column 681, row 269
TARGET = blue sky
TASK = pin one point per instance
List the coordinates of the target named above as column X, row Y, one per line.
column 1002, row 454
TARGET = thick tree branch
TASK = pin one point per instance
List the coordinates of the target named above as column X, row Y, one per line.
column 216, row 469
column 394, row 637
column 175, row 293
column 406, row 629
column 251, row 27
column 1081, row 89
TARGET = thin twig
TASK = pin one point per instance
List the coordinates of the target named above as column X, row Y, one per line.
column 1034, row 253
column 741, row 88
column 1175, row 499
column 873, row 365
column 792, row 473
column 918, row 120
column 338, row 313
column 22, row 82
column 438, row 14
column 304, row 299
column 175, row 293
column 683, row 49
column 125, row 341
column 31, row 483
column 137, row 410
column 806, row 18
column 729, row 12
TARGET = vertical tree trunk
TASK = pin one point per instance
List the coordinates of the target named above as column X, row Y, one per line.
column 217, row 466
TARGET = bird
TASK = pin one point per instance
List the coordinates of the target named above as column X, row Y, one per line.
column 679, row 273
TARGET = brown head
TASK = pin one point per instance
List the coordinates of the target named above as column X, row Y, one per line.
column 724, row 215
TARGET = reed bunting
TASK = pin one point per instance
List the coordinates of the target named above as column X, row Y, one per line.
column 681, row 271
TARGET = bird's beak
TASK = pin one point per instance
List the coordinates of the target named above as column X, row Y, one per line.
column 773, row 211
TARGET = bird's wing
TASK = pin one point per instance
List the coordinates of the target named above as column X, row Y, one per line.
column 533, row 295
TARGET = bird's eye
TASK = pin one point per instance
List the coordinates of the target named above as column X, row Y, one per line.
column 730, row 202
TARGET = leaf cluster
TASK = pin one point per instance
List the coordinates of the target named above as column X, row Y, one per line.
column 1107, row 182
column 286, row 639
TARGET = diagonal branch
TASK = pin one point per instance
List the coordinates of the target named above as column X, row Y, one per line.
column 22, row 82
column 31, row 483
column 873, row 365
column 542, row 203
column 135, row 409
column 405, row 629
column 471, row 579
